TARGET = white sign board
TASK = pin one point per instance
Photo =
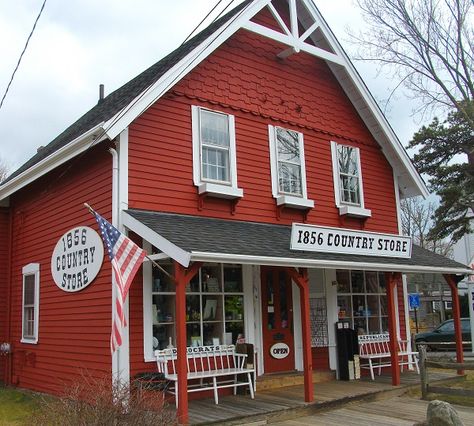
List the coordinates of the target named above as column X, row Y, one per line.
column 280, row 350
column 348, row 241
column 77, row 259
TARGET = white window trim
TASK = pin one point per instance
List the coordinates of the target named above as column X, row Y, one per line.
column 348, row 209
column 286, row 199
column 31, row 269
column 215, row 189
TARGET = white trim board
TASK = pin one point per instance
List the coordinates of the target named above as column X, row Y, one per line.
column 197, row 256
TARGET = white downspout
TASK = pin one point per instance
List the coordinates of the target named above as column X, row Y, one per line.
column 120, row 358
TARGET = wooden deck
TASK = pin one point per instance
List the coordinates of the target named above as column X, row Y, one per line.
column 288, row 402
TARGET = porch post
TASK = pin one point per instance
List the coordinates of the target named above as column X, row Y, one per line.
column 301, row 280
column 391, row 281
column 182, row 278
column 456, row 318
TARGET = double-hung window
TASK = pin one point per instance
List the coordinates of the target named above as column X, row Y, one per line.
column 214, row 153
column 30, row 303
column 348, row 189
column 288, row 168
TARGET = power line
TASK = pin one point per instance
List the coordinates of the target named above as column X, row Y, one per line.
column 203, row 19
column 22, row 53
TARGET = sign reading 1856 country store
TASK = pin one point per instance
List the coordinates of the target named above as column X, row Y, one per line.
column 348, row 241
column 77, row 259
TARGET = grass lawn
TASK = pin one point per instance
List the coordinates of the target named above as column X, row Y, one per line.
column 467, row 384
column 16, row 406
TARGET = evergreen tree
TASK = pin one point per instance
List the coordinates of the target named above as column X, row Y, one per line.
column 443, row 148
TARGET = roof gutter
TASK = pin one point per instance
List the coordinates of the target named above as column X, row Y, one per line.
column 72, row 149
column 197, row 256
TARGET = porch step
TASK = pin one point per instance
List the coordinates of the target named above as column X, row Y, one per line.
column 279, row 380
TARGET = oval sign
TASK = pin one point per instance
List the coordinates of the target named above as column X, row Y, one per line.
column 280, row 350
column 77, row 259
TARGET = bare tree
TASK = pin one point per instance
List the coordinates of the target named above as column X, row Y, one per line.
column 428, row 44
column 4, row 170
column 416, row 222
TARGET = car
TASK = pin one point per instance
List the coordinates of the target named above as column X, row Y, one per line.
column 440, row 337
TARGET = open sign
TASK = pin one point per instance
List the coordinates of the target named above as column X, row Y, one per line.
column 280, row 350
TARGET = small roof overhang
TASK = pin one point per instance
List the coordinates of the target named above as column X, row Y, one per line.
column 189, row 239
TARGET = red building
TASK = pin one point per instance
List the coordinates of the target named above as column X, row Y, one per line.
column 253, row 156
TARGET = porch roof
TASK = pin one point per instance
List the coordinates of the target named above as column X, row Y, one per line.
column 192, row 238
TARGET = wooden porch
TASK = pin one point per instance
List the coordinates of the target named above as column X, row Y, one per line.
column 288, row 402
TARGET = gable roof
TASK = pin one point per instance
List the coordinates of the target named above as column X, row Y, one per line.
column 115, row 112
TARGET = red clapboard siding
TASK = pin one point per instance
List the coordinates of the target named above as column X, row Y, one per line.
column 401, row 310
column 4, row 242
column 320, row 358
column 74, row 328
column 244, row 78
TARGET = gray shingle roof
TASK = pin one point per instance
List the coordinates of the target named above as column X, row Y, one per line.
column 201, row 234
column 121, row 97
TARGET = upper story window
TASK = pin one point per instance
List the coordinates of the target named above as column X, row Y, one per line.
column 214, row 153
column 348, row 187
column 30, row 303
column 288, row 168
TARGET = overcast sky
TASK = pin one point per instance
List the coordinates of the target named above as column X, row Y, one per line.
column 79, row 44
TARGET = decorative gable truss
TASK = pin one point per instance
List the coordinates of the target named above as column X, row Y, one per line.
column 302, row 16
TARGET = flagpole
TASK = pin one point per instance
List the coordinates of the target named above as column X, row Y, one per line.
column 91, row 210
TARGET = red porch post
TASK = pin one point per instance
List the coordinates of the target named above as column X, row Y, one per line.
column 456, row 318
column 182, row 278
column 391, row 282
column 301, row 280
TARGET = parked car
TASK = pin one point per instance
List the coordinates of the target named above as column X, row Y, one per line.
column 442, row 335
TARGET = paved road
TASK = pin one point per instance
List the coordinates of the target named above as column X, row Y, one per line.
column 397, row 411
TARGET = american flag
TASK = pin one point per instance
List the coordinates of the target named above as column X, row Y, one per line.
column 126, row 258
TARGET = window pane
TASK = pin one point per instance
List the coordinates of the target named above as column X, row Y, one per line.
column 215, row 164
column 29, row 292
column 288, row 145
column 347, row 160
column 349, row 189
column 343, row 281
column 357, row 278
column 214, row 128
column 289, row 178
column 371, row 282
column 29, row 322
column 232, row 278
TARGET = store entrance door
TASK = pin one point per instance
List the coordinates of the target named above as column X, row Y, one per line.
column 277, row 320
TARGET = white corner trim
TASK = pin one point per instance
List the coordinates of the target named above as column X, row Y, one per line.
column 72, row 149
column 161, row 243
column 31, row 269
column 123, row 169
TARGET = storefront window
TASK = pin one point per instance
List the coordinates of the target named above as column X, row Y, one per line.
column 214, row 306
column 361, row 299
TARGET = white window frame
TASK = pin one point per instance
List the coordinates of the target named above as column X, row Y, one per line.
column 347, row 208
column 210, row 187
column 289, row 200
column 29, row 270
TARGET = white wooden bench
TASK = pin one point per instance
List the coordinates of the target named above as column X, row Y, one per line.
column 374, row 352
column 208, row 367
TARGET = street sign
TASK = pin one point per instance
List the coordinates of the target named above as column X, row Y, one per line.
column 414, row 300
